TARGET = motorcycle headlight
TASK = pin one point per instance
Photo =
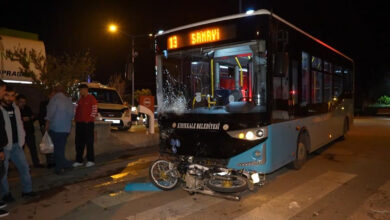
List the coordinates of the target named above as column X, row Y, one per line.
column 255, row 178
column 250, row 134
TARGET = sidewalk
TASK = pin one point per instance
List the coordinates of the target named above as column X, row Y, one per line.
column 124, row 148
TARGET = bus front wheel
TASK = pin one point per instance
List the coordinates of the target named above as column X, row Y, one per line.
column 301, row 153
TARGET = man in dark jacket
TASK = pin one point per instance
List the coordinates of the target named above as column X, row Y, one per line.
column 3, row 143
column 28, row 124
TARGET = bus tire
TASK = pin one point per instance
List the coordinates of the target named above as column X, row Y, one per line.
column 301, row 152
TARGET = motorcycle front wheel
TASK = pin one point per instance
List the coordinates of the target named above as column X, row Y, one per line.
column 227, row 184
column 163, row 175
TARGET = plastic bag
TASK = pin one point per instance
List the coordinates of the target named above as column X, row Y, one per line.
column 46, row 146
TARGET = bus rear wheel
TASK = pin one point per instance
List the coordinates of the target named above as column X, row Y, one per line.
column 301, row 153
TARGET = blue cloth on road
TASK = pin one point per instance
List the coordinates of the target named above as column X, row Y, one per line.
column 141, row 187
column 60, row 112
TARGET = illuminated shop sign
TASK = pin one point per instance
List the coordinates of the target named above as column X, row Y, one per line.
column 201, row 36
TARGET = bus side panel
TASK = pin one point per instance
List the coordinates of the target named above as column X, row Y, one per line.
column 283, row 141
column 317, row 128
column 279, row 149
column 248, row 161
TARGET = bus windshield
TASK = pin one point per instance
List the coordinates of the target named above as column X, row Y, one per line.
column 229, row 79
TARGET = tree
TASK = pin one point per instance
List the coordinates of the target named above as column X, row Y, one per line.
column 384, row 100
column 66, row 70
column 116, row 81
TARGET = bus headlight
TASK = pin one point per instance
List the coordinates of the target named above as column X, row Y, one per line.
column 260, row 133
column 249, row 134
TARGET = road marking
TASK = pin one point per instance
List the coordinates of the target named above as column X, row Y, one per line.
column 376, row 206
column 117, row 198
column 294, row 201
column 177, row 209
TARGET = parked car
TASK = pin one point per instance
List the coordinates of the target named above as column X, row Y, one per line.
column 111, row 107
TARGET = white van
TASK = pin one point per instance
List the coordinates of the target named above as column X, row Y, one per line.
column 111, row 107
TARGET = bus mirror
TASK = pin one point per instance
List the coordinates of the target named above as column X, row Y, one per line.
column 281, row 64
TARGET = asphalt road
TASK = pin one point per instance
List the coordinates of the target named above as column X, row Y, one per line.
column 347, row 179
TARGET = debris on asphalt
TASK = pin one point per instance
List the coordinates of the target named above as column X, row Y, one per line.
column 293, row 205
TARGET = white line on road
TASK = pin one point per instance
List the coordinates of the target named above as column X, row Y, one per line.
column 294, row 201
column 177, row 209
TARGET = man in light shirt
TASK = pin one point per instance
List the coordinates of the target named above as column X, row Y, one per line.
column 60, row 112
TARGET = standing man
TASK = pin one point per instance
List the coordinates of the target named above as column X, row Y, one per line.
column 28, row 123
column 3, row 143
column 86, row 112
column 60, row 112
column 13, row 150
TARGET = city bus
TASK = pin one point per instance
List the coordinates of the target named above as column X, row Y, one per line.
column 250, row 92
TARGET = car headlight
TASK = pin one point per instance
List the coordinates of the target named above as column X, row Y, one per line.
column 99, row 117
column 250, row 134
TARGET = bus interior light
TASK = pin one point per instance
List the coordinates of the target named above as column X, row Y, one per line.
column 249, row 11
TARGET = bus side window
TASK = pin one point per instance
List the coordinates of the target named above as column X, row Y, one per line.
column 317, row 80
column 305, row 93
column 281, row 81
column 281, row 96
column 337, row 81
column 348, row 83
column 327, row 81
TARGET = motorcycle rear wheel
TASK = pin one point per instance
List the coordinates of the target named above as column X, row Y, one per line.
column 162, row 175
column 234, row 185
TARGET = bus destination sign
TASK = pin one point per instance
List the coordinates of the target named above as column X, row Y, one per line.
column 198, row 37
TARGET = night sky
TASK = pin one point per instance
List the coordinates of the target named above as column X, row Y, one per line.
column 359, row 29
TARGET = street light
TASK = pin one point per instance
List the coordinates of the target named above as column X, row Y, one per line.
column 113, row 28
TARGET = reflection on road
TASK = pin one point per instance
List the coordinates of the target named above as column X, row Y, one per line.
column 130, row 171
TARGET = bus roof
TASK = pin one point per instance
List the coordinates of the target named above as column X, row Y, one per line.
column 258, row 12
